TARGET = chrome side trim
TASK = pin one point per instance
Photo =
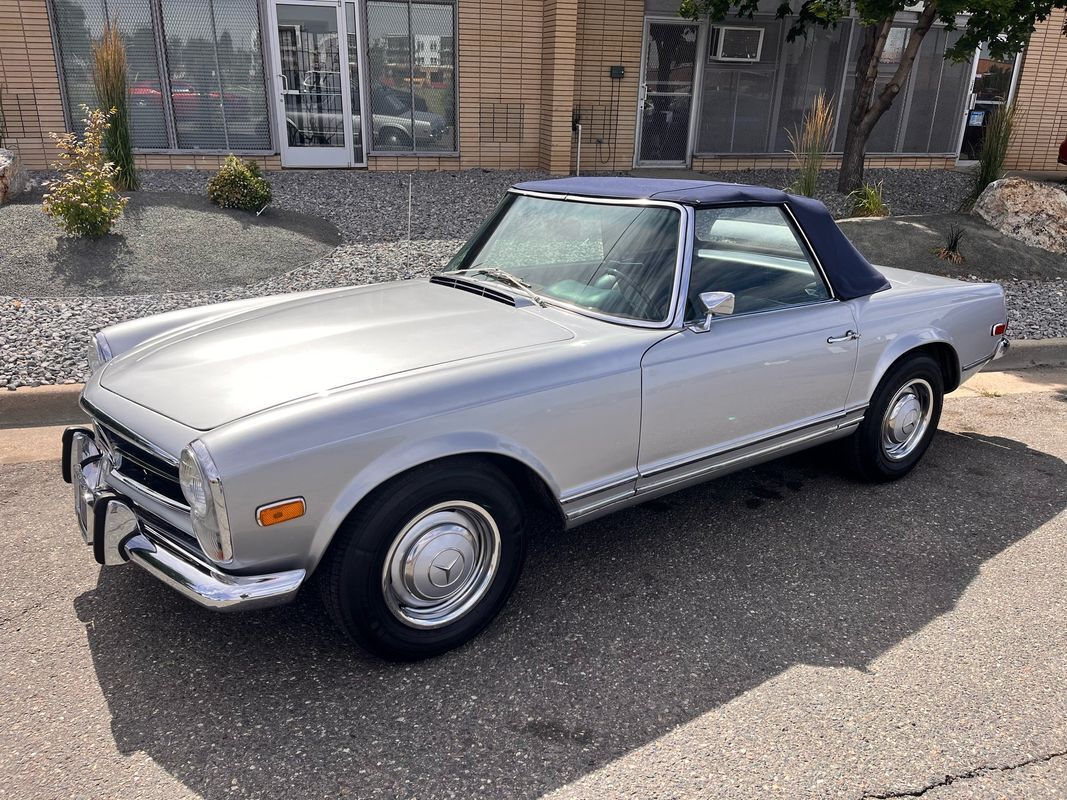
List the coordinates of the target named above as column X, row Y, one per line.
column 611, row 484
column 120, row 429
column 713, row 464
column 1001, row 348
column 700, row 469
column 830, row 418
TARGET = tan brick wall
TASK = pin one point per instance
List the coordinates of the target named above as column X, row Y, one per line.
column 192, row 161
column 500, row 58
column 558, row 62
column 31, row 101
column 734, row 162
column 1041, row 99
column 609, row 32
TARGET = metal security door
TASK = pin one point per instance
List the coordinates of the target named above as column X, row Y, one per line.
column 665, row 98
column 312, row 79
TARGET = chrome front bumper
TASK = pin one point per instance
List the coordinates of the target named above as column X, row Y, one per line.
column 111, row 525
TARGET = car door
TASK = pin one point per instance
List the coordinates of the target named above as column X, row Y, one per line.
column 777, row 369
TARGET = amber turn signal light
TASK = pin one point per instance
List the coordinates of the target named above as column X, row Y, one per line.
column 282, row 511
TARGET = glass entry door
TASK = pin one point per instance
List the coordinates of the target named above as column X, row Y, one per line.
column 316, row 112
column 991, row 89
column 668, row 67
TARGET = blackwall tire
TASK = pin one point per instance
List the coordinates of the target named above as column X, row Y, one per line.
column 427, row 561
column 900, row 421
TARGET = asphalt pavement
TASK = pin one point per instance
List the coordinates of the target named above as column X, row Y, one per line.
column 782, row 632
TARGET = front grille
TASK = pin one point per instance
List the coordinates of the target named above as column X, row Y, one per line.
column 142, row 466
column 158, row 526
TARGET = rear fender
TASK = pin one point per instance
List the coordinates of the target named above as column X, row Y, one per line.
column 874, row 365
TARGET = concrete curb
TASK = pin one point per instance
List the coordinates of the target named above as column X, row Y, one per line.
column 41, row 405
column 1031, row 353
column 58, row 405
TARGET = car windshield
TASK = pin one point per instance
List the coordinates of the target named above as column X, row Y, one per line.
column 614, row 259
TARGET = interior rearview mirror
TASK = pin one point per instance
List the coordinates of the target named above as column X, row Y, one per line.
column 716, row 304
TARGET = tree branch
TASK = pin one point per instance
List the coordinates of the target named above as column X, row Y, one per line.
column 907, row 59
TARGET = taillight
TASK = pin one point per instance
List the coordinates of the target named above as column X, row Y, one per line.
column 999, row 329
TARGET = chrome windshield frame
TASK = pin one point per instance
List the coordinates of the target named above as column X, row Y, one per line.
column 684, row 250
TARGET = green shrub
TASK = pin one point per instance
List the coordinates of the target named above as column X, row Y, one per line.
column 83, row 200
column 867, row 201
column 239, row 184
column 950, row 251
column 809, row 144
column 109, row 79
column 995, row 141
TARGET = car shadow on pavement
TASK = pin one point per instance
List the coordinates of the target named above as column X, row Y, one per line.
column 619, row 632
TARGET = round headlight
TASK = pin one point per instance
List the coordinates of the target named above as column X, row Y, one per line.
column 202, row 487
column 194, row 487
column 99, row 352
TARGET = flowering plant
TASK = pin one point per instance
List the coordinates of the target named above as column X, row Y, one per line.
column 83, row 200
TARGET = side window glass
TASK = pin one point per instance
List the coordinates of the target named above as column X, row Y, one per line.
column 753, row 252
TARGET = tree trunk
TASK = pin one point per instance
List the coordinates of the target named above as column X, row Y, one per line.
column 851, row 177
column 867, row 108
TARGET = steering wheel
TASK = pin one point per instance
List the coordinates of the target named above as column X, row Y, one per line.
column 636, row 291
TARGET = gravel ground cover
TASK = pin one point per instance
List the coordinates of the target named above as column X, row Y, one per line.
column 45, row 340
column 164, row 242
column 373, row 206
column 905, row 191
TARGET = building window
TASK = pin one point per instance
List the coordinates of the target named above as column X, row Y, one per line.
column 749, row 107
column 412, row 95
column 196, row 70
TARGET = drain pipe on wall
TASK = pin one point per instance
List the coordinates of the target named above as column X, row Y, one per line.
column 576, row 125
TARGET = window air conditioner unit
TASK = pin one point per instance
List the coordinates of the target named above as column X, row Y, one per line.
column 735, row 44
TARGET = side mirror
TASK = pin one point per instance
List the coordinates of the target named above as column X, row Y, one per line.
column 716, row 304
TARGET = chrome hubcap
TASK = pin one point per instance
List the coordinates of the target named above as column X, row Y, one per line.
column 907, row 419
column 441, row 564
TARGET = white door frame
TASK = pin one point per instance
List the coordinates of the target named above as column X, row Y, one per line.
column 698, row 70
column 969, row 99
column 313, row 156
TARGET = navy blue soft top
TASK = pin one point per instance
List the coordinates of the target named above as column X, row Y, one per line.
column 850, row 274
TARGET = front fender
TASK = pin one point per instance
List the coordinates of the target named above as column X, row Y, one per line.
column 407, row 456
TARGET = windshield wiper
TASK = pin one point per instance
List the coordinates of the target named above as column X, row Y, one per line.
column 508, row 279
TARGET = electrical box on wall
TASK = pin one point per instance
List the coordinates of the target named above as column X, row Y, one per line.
column 617, row 71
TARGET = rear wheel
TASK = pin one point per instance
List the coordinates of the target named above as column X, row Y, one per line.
column 427, row 561
column 900, row 421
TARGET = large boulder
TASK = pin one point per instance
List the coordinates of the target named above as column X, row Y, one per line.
column 1032, row 212
column 12, row 176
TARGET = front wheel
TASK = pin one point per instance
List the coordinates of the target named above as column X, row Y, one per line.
column 427, row 561
column 900, row 421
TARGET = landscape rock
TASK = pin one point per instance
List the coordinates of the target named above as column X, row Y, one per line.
column 1032, row 212
column 12, row 176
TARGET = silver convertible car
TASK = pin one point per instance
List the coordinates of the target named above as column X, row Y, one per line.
column 597, row 343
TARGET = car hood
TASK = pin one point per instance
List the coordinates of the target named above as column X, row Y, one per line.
column 233, row 366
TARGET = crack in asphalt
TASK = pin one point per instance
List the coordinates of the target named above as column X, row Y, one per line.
column 963, row 776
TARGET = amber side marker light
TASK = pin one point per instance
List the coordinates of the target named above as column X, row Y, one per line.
column 282, row 511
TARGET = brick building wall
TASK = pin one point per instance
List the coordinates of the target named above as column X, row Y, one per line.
column 1041, row 99
column 609, row 33
column 523, row 67
column 29, row 84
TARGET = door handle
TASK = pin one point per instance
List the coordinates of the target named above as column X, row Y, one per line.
column 848, row 336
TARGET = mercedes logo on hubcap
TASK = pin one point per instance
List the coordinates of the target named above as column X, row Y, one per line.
column 446, row 568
